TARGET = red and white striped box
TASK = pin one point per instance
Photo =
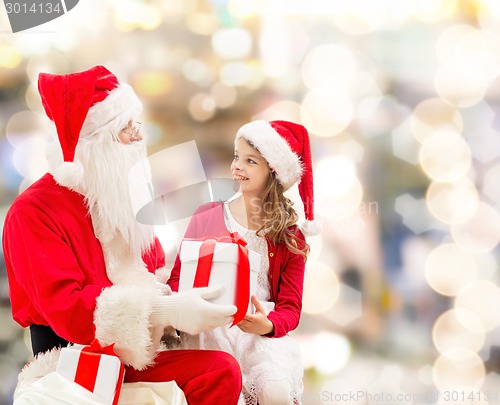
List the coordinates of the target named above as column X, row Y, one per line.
column 95, row 368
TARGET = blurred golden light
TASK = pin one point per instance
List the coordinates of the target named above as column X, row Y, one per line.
column 306, row 349
column 490, row 179
column 284, row 110
column 434, row 114
column 434, row 10
column 348, row 227
column 26, row 124
column 224, row 96
column 476, row 53
column 197, row 71
column 469, row 320
column 353, row 149
column 449, row 269
column 329, row 65
column 381, row 115
column 338, row 191
column 237, row 73
column 488, row 16
column 10, row 57
column 275, row 48
column 337, row 173
column 286, row 8
column 153, row 131
column 50, row 62
column 460, row 89
column 487, row 266
column 33, row 99
column 257, row 78
column 365, row 86
column 152, row 84
column 174, row 10
column 481, row 232
column 471, row 61
column 359, row 17
column 245, row 8
column 337, row 207
column 316, row 245
column 282, row 45
column 29, row 157
column 201, row 107
column 288, row 84
column 447, row 41
column 201, row 23
column 321, row 288
column 326, row 112
column 151, row 19
column 137, row 15
column 463, row 367
column 398, row 12
column 445, row 156
column 232, row 43
column 449, row 333
column 331, row 352
column 482, row 298
column 452, row 202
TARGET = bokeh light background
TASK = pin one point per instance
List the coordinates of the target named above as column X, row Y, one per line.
column 402, row 299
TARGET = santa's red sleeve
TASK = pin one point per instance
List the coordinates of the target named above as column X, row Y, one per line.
column 49, row 285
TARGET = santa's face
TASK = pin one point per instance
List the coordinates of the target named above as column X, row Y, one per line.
column 109, row 185
column 131, row 133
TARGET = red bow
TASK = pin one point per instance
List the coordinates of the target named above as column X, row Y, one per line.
column 204, row 268
column 96, row 347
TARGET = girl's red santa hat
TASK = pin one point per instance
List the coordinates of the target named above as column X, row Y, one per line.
column 85, row 105
column 286, row 147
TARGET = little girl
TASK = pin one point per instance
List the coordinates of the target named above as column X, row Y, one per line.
column 269, row 158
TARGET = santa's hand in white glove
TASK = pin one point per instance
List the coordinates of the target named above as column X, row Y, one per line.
column 191, row 312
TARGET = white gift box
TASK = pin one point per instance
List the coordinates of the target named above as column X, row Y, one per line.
column 102, row 374
column 224, row 269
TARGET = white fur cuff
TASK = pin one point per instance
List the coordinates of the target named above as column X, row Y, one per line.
column 122, row 317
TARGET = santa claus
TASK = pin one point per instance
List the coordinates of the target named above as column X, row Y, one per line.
column 81, row 267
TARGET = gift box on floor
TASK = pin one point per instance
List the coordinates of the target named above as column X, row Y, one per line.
column 225, row 262
column 95, row 368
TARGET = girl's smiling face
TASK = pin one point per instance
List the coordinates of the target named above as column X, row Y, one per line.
column 249, row 168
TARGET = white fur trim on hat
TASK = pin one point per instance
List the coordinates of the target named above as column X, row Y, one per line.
column 116, row 110
column 70, row 175
column 274, row 149
column 122, row 317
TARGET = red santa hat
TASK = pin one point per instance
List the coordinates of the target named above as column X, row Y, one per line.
column 286, row 147
column 83, row 104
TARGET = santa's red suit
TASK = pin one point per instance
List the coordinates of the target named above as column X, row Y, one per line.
column 56, row 265
column 63, row 276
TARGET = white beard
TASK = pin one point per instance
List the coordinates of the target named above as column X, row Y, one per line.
column 107, row 185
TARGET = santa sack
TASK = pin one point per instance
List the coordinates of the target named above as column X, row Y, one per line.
column 53, row 389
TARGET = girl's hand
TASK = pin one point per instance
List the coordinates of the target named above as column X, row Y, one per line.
column 257, row 322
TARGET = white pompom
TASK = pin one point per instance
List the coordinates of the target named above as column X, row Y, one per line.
column 70, row 175
column 311, row 228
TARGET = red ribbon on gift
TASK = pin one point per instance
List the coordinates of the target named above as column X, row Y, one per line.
column 88, row 365
column 204, row 268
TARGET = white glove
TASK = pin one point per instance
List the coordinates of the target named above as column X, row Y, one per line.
column 191, row 312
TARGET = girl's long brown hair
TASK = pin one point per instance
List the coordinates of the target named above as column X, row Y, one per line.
column 278, row 215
